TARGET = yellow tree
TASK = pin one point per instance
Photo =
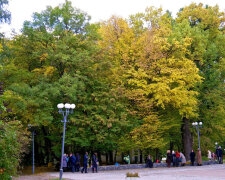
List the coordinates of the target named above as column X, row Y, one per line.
column 163, row 74
column 207, row 51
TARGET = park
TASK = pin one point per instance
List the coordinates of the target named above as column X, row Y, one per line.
column 207, row 172
column 78, row 96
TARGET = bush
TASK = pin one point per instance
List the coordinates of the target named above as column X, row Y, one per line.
column 13, row 140
column 132, row 174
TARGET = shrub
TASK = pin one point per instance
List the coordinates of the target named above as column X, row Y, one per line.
column 132, row 174
column 13, row 140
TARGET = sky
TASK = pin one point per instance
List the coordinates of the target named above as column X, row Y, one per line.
column 99, row 10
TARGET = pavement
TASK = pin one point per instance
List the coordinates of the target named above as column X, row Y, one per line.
column 207, row 172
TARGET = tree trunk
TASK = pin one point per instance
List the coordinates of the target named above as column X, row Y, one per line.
column 187, row 139
column 122, row 155
column 99, row 158
column 141, row 156
column 115, row 156
column 107, row 158
column 110, row 157
column 157, row 154
column 47, row 145
column 171, row 146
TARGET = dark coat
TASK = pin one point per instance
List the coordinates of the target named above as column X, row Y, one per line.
column 85, row 159
column 149, row 163
column 217, row 152
column 73, row 160
column 169, row 158
column 192, row 156
column 94, row 160
column 78, row 159
column 173, row 157
column 220, row 152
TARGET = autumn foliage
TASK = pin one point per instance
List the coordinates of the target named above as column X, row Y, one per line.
column 137, row 83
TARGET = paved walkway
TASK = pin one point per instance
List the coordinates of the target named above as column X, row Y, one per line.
column 209, row 172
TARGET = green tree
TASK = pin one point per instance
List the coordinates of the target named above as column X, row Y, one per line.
column 5, row 15
column 207, row 51
column 56, row 59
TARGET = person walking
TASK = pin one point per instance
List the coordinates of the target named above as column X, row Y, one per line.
column 199, row 157
column 183, row 161
column 77, row 167
column 217, row 154
column 72, row 162
column 220, row 153
column 94, row 163
column 209, row 155
column 168, row 158
column 84, row 169
column 192, row 157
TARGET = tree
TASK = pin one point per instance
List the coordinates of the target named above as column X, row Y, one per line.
column 163, row 74
column 5, row 15
column 207, row 51
column 59, row 62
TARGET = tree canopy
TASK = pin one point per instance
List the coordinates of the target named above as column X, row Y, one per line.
column 137, row 83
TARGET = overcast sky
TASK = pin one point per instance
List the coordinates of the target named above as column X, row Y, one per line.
column 22, row 10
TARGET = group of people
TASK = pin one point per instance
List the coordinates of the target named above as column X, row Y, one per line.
column 218, row 155
column 177, row 158
column 199, row 157
column 72, row 162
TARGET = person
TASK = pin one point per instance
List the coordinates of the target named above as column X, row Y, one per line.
column 209, row 155
column 217, row 154
column 174, row 158
column 94, row 163
column 67, row 161
column 64, row 162
column 213, row 156
column 149, row 162
column 220, row 153
column 177, row 158
column 77, row 167
column 168, row 158
column 84, row 169
column 192, row 157
column 199, row 157
column 127, row 159
column 183, row 161
column 72, row 162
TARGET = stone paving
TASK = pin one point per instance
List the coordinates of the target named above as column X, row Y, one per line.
column 209, row 172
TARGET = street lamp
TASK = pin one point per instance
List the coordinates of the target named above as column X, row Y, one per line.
column 68, row 110
column 33, row 133
column 216, row 144
column 198, row 126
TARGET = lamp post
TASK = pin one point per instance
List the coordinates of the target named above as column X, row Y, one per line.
column 216, row 143
column 68, row 110
column 198, row 126
column 33, row 133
